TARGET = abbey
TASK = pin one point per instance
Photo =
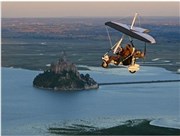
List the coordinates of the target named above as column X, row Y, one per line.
column 64, row 76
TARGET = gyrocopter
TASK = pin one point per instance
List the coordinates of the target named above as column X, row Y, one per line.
column 128, row 55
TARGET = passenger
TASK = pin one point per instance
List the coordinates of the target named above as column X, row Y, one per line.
column 123, row 55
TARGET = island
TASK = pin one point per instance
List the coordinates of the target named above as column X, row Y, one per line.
column 64, row 76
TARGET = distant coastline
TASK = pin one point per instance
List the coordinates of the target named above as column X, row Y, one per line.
column 129, row 127
column 84, row 40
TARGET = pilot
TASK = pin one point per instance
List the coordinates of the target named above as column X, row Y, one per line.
column 123, row 55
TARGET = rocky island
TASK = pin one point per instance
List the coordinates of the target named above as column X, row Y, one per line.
column 64, row 76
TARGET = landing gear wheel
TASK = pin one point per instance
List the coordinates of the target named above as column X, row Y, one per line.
column 133, row 68
column 104, row 64
column 132, row 72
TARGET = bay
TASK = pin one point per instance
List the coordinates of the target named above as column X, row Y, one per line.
column 28, row 110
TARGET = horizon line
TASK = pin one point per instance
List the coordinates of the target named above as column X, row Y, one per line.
column 86, row 17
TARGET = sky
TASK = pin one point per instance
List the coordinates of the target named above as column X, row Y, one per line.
column 88, row 9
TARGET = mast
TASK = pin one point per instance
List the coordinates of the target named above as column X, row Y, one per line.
column 135, row 16
column 118, row 44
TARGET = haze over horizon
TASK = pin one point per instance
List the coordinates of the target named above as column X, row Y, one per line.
column 87, row 9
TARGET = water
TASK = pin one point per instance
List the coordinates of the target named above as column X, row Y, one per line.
column 27, row 110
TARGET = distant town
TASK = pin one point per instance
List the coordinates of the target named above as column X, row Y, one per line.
column 69, row 27
column 34, row 43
